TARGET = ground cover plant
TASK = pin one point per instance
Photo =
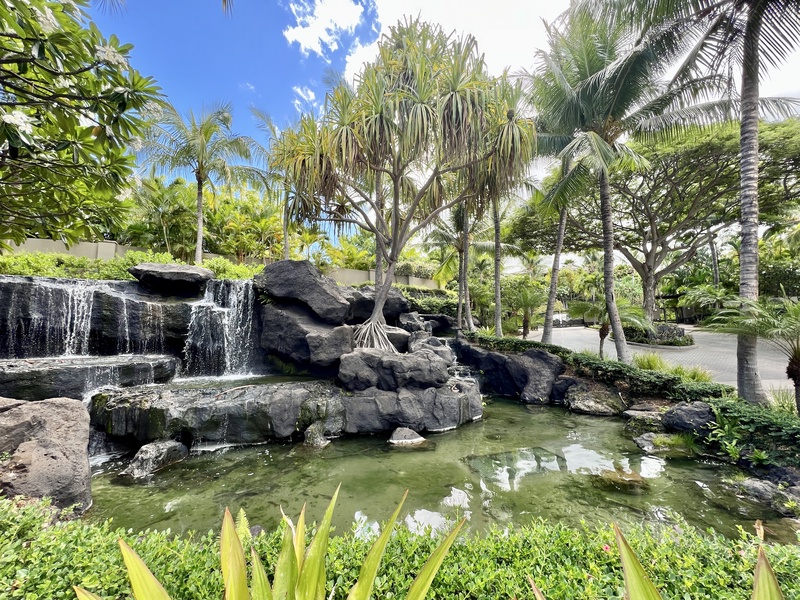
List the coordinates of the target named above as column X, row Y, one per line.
column 40, row 558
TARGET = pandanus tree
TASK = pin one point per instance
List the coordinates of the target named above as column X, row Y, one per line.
column 601, row 81
column 752, row 34
column 423, row 120
column 202, row 144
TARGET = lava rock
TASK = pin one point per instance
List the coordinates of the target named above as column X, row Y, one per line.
column 369, row 367
column 294, row 333
column 560, row 387
column 422, row 340
column 685, row 417
column 155, row 456
column 173, row 280
column 411, row 322
column 403, row 436
column 362, row 303
column 48, row 443
column 663, row 444
column 643, row 421
column 315, row 435
column 55, row 377
column 596, row 401
column 300, row 281
column 758, row 490
column 441, row 325
column 398, row 337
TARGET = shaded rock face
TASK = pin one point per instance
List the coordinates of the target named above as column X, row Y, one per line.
column 686, row 417
column 153, row 457
column 441, row 325
column 529, row 376
column 279, row 411
column 172, row 280
column 368, row 367
column 48, row 443
column 295, row 334
column 412, row 322
column 421, row 340
column 362, row 303
column 41, row 378
column 300, row 281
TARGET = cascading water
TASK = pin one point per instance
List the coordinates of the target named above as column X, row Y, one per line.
column 220, row 340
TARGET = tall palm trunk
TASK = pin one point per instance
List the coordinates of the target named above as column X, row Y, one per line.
column 712, row 247
column 547, row 332
column 285, row 224
column 623, row 354
column 498, row 314
column 465, row 242
column 747, row 376
column 198, row 250
column 460, row 310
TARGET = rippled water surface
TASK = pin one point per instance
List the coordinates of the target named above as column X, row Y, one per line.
column 519, row 463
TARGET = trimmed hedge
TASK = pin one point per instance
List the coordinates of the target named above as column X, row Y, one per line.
column 514, row 344
column 41, row 560
column 429, row 301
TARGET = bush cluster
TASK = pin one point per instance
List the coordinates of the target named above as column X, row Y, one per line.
column 428, row 301
column 514, row 344
column 46, row 264
column 664, row 334
column 42, row 560
column 423, row 270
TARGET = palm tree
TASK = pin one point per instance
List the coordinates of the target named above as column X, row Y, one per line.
column 598, row 311
column 203, row 144
column 775, row 322
column 748, row 33
column 601, row 81
column 529, row 300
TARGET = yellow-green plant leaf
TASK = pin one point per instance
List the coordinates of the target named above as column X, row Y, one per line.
column 285, row 582
column 425, row 577
column 369, row 569
column 300, row 538
column 259, row 584
column 234, row 570
column 84, row 595
column 144, row 585
column 311, row 580
column 637, row 585
column 537, row 593
column 765, row 585
column 243, row 527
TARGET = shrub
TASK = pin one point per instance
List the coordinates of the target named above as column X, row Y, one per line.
column 45, row 264
column 509, row 344
column 652, row 361
column 662, row 334
column 225, row 269
column 423, row 270
column 428, row 301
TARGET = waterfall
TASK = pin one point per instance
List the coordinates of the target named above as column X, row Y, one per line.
column 221, row 329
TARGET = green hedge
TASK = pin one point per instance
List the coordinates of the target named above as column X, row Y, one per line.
column 514, row 344
column 40, row 560
column 429, row 301
column 46, row 264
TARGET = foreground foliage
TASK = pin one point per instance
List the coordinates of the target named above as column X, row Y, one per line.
column 40, row 559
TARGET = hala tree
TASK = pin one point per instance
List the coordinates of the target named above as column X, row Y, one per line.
column 69, row 105
column 420, row 130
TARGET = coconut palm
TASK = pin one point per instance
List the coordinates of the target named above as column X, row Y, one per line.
column 203, row 144
column 598, row 312
column 601, row 80
column 749, row 34
column 777, row 322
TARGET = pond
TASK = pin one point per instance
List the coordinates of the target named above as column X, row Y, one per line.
column 517, row 464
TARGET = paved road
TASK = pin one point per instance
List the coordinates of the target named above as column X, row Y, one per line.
column 714, row 351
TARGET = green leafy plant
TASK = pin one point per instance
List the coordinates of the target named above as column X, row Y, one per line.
column 299, row 571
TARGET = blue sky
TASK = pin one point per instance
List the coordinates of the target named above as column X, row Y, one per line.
column 274, row 54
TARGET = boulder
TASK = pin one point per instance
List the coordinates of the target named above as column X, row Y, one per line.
column 411, row 322
column 315, row 435
column 173, row 280
column 362, row 303
column 442, row 325
column 561, row 385
column 369, row 367
column 398, row 337
column 432, row 409
column 597, row 401
column 48, row 443
column 153, row 457
column 643, row 421
column 300, row 281
column 757, row 490
column 421, row 340
column 41, row 378
column 686, row 417
column 403, row 436
column 294, row 333
column 664, row 444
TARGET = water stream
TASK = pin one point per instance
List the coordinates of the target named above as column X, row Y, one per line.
column 516, row 465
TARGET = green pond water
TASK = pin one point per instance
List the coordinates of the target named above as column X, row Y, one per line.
column 517, row 464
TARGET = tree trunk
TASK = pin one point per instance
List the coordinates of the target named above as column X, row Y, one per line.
column 498, row 309
column 459, row 310
column 747, row 376
column 526, row 323
column 379, row 246
column 623, row 354
column 372, row 333
column 649, row 295
column 465, row 242
column 286, row 253
column 712, row 247
column 547, row 332
column 198, row 250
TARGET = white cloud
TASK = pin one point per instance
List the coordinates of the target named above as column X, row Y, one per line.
column 247, row 86
column 305, row 99
column 320, row 23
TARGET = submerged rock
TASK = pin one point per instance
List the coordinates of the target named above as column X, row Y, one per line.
column 300, row 281
column 664, row 444
column 403, row 436
column 171, row 279
column 315, row 435
column 48, row 443
column 155, row 456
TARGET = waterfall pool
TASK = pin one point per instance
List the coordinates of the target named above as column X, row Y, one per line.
column 517, row 464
